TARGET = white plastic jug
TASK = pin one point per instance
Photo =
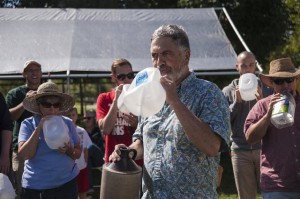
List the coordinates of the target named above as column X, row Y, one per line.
column 145, row 96
column 248, row 86
column 6, row 189
column 283, row 111
column 122, row 107
column 56, row 132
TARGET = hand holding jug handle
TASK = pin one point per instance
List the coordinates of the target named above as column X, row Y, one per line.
column 128, row 150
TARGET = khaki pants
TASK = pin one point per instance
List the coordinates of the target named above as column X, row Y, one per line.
column 18, row 168
column 246, row 169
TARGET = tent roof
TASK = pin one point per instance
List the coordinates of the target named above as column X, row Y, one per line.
column 90, row 39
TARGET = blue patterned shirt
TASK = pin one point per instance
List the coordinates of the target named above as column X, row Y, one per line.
column 174, row 167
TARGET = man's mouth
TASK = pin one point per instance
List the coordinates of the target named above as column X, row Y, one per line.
column 163, row 69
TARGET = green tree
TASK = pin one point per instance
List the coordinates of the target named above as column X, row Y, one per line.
column 292, row 34
column 262, row 24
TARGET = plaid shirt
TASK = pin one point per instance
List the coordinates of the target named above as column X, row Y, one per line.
column 174, row 167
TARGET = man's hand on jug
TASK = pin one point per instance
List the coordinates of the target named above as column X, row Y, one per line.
column 237, row 96
column 119, row 91
column 170, row 88
column 115, row 156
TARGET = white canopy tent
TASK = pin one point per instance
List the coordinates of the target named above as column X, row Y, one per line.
column 88, row 40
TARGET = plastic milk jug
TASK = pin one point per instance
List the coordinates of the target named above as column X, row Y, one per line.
column 122, row 107
column 248, row 86
column 283, row 111
column 145, row 96
column 56, row 132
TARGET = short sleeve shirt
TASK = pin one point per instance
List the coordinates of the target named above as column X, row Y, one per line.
column 48, row 168
column 122, row 131
column 174, row 167
column 280, row 154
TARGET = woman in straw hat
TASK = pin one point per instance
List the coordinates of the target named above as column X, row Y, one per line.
column 280, row 154
column 48, row 172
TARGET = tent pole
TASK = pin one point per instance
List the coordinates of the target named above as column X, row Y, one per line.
column 240, row 37
column 68, row 82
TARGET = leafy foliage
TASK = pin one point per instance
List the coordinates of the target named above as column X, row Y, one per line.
column 292, row 45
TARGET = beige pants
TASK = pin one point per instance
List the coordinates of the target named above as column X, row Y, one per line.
column 246, row 169
column 18, row 168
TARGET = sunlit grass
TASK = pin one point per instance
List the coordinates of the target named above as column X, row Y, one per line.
column 233, row 196
column 224, row 196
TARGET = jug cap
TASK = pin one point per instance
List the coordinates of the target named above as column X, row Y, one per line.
column 56, row 132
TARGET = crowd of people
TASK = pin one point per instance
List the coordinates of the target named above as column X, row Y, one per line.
column 178, row 148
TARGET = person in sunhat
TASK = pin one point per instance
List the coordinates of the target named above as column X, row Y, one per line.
column 48, row 173
column 32, row 73
column 280, row 154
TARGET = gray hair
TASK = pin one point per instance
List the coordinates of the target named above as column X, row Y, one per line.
column 175, row 32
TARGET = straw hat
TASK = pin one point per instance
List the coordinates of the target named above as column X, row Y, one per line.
column 48, row 89
column 280, row 68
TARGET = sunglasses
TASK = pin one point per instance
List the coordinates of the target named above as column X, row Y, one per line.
column 282, row 80
column 48, row 104
column 121, row 77
column 88, row 118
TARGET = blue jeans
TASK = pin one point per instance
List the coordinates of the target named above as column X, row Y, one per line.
column 95, row 159
column 280, row 195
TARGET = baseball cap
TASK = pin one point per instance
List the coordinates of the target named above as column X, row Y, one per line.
column 31, row 62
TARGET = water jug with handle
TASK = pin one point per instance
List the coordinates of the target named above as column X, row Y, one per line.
column 56, row 132
column 283, row 111
column 145, row 96
column 248, row 86
column 121, row 179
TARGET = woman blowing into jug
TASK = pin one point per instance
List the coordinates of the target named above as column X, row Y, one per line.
column 48, row 173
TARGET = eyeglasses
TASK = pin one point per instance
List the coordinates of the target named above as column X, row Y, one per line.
column 282, row 80
column 48, row 104
column 88, row 118
column 121, row 77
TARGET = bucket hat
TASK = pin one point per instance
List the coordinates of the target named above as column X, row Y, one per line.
column 280, row 68
column 31, row 62
column 48, row 89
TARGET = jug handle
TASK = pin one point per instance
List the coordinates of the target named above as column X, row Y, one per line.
column 129, row 150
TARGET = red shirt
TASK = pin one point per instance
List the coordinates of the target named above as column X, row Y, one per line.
column 122, row 132
column 280, row 155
